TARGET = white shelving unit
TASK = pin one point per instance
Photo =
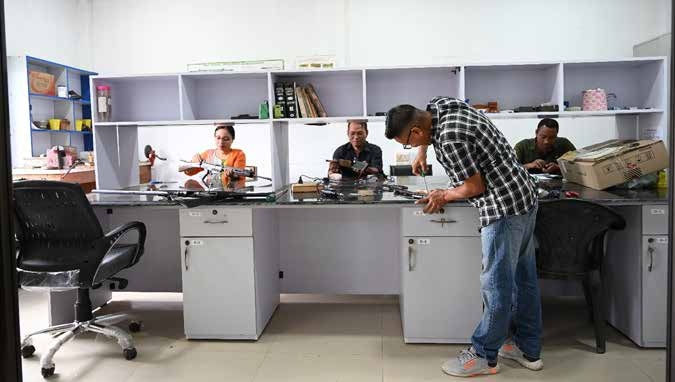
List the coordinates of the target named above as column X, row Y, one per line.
column 29, row 141
column 366, row 93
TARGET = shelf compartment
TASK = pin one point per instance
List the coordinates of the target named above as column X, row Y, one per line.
column 638, row 82
column 209, row 96
column 142, row 98
column 386, row 88
column 58, row 71
column 514, row 85
column 340, row 91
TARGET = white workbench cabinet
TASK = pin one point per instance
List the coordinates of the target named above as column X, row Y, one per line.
column 218, row 287
column 440, row 293
column 635, row 275
column 230, row 271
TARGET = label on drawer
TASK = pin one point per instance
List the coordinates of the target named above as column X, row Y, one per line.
column 662, row 240
column 658, row 211
column 196, row 242
column 194, row 214
column 419, row 213
column 423, row 241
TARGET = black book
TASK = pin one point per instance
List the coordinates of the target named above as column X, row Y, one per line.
column 279, row 99
column 291, row 108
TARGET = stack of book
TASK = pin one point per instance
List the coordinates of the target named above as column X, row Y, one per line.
column 297, row 101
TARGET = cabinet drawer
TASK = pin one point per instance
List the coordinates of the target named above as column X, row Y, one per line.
column 216, row 221
column 655, row 219
column 451, row 221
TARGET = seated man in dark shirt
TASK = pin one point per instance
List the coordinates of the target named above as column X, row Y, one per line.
column 357, row 149
column 540, row 154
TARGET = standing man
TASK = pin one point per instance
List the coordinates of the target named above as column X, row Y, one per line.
column 540, row 154
column 357, row 149
column 483, row 169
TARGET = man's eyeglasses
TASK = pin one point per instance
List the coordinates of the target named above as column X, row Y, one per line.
column 407, row 145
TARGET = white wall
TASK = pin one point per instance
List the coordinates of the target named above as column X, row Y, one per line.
column 399, row 31
column 166, row 35
column 55, row 30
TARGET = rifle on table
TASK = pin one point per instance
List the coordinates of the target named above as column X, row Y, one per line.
column 192, row 168
column 192, row 198
column 402, row 191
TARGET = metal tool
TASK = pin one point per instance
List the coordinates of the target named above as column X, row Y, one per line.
column 424, row 177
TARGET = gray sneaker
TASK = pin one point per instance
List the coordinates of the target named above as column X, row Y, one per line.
column 510, row 351
column 468, row 364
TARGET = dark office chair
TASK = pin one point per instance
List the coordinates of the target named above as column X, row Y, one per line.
column 61, row 245
column 571, row 235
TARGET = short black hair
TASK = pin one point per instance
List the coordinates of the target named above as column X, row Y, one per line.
column 398, row 119
column 361, row 122
column 228, row 126
column 548, row 122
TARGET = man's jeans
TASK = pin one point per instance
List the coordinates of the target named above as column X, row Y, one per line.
column 509, row 288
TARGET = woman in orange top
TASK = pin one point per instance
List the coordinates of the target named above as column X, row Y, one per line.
column 223, row 153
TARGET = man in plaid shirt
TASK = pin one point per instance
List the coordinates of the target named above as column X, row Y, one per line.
column 483, row 169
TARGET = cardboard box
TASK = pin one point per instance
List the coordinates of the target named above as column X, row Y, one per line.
column 613, row 162
column 42, row 83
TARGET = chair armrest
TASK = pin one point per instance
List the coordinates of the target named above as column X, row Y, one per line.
column 113, row 237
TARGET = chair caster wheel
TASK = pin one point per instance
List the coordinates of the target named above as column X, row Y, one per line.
column 130, row 354
column 27, row 351
column 135, row 326
column 46, row 373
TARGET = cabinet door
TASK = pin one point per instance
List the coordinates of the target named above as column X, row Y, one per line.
column 441, row 299
column 654, row 289
column 218, row 287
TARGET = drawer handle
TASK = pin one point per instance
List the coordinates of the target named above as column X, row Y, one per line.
column 411, row 265
column 443, row 221
column 651, row 259
column 185, row 258
column 215, row 222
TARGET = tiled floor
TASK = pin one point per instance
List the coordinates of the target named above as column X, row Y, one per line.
column 357, row 339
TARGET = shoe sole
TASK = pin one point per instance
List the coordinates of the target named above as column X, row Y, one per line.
column 534, row 366
column 490, row 371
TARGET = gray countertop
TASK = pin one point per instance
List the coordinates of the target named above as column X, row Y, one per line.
column 366, row 192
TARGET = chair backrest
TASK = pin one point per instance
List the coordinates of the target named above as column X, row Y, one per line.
column 570, row 235
column 57, row 226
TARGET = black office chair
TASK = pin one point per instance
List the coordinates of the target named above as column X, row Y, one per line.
column 61, row 245
column 571, row 237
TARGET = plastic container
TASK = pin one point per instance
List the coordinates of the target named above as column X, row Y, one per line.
column 594, row 100
column 103, row 104
column 55, row 124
